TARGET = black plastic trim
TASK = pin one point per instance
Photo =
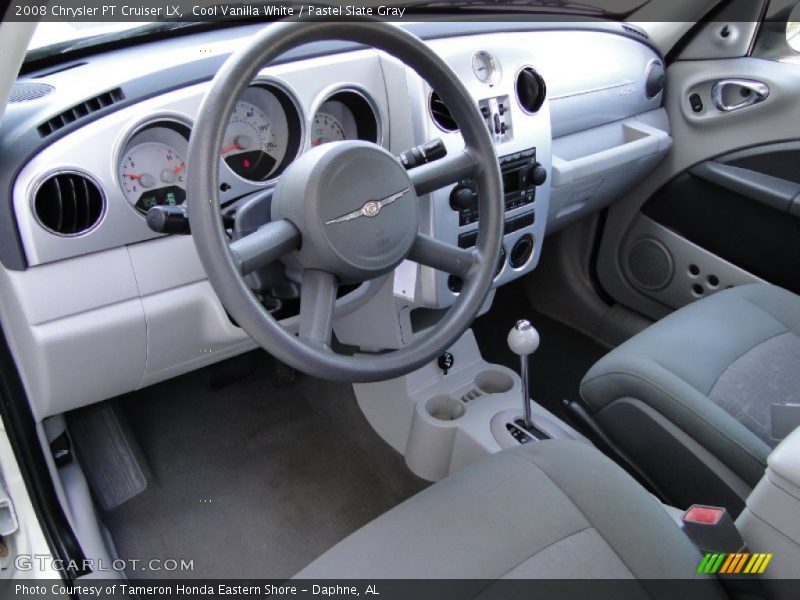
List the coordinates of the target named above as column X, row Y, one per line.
column 21, row 429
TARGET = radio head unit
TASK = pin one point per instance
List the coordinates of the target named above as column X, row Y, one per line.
column 521, row 175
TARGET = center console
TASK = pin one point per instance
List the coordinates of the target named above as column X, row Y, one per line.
column 521, row 175
column 512, row 98
column 449, row 414
column 770, row 523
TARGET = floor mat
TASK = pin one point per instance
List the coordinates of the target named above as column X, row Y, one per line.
column 253, row 480
column 563, row 358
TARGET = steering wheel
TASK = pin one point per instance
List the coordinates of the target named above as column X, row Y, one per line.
column 344, row 212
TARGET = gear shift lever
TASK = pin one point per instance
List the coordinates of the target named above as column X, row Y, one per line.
column 523, row 340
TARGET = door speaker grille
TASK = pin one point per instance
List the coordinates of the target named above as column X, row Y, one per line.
column 650, row 265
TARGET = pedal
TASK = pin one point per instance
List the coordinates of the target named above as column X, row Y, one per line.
column 229, row 371
column 111, row 458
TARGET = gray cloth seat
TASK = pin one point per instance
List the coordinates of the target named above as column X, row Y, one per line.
column 689, row 399
column 553, row 509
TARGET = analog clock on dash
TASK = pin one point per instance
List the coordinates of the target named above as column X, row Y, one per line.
column 486, row 67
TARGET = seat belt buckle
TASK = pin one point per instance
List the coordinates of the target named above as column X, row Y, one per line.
column 712, row 529
column 785, row 419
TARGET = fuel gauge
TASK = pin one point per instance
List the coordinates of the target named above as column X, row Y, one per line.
column 152, row 167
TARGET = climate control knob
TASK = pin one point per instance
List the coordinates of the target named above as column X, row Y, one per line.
column 538, row 174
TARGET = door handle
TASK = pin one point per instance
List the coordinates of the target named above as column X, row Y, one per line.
column 732, row 94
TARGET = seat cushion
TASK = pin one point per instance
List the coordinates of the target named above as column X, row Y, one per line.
column 713, row 368
column 553, row 509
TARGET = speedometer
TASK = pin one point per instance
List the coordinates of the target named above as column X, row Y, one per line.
column 263, row 134
column 251, row 147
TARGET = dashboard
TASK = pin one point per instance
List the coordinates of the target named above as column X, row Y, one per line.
column 574, row 111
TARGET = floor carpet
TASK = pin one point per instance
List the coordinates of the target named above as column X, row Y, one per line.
column 253, row 479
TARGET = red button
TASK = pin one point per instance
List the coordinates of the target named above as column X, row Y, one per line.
column 707, row 515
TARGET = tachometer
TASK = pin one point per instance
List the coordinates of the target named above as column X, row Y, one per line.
column 251, row 147
column 326, row 128
column 152, row 167
column 345, row 115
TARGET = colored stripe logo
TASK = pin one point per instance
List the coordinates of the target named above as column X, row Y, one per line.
column 734, row 563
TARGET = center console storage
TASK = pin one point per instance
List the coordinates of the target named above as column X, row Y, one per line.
column 770, row 522
column 442, row 422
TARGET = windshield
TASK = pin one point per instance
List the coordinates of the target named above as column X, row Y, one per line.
column 50, row 33
column 59, row 33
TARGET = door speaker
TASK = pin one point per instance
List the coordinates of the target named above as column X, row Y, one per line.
column 650, row 265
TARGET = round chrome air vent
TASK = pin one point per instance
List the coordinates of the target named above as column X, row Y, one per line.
column 68, row 203
column 530, row 89
column 441, row 114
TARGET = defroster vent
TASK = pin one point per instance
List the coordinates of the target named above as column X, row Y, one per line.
column 79, row 111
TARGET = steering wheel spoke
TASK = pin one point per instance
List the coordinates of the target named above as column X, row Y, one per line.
column 446, row 171
column 442, row 256
column 334, row 180
column 317, row 300
column 264, row 246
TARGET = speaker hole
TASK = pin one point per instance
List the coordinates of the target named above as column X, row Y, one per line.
column 694, row 270
column 713, row 281
column 698, row 289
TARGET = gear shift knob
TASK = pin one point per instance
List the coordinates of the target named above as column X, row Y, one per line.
column 523, row 339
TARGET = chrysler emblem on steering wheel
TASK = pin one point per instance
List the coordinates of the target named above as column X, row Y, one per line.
column 371, row 209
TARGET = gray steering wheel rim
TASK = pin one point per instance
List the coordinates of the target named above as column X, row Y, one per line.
column 212, row 243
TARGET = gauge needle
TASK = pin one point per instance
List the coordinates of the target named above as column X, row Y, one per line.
column 179, row 168
column 132, row 176
column 230, row 148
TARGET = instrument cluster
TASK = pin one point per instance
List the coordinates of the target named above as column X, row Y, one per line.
column 264, row 135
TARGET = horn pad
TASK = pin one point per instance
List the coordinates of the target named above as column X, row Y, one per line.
column 355, row 207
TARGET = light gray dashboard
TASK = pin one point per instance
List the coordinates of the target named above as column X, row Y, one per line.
column 136, row 305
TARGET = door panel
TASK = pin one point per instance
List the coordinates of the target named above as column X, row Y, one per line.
column 721, row 209
column 744, row 216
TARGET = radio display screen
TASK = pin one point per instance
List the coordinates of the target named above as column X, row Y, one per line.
column 512, row 181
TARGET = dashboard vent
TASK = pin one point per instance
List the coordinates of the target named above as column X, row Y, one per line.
column 637, row 32
column 441, row 114
column 79, row 111
column 68, row 204
column 23, row 91
column 531, row 90
column 656, row 76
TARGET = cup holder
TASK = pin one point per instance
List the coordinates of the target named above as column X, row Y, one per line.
column 493, row 382
column 445, row 408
